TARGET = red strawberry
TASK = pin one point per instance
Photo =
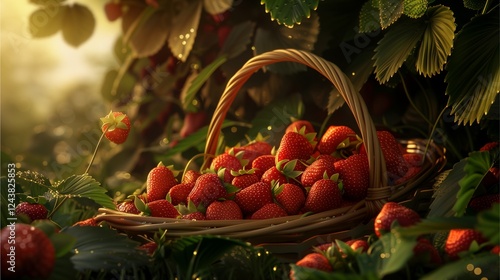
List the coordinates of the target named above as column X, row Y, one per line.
column 192, row 123
column 194, row 216
column 128, row 207
column 392, row 211
column 354, row 173
column 253, row 197
column 262, row 163
column 484, row 202
column 34, row 253
column 324, row 195
column 298, row 124
column 296, row 145
column 460, row 240
column 429, row 253
column 414, row 159
column 393, row 154
column 245, row 179
column 291, row 197
column 160, row 180
column 223, row 210
column 248, row 156
column 412, row 172
column 149, row 247
column 316, row 171
column 269, row 211
column 496, row 250
column 207, row 189
column 230, row 162
column 90, row 222
column 190, row 176
column 161, row 208
column 259, row 146
column 179, row 193
column 113, row 10
column 358, row 244
column 274, row 175
column 328, row 157
column 116, row 127
column 316, row 261
column 336, row 138
column 489, row 146
column 284, row 172
column 34, row 211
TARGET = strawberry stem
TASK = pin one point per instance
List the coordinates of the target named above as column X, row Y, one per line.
column 95, row 151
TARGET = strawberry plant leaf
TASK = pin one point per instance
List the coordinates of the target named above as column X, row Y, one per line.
column 78, row 24
column 184, row 26
column 238, row 39
column 83, row 186
column 414, row 8
column 125, row 86
column 101, row 248
column 458, row 269
column 473, row 74
column 477, row 164
column 33, row 183
column 396, row 46
column 474, row 4
column 289, row 12
column 46, row 21
column 369, row 19
column 390, row 11
column 437, row 41
column 394, row 252
column 63, row 243
column 215, row 7
column 446, row 189
column 488, row 223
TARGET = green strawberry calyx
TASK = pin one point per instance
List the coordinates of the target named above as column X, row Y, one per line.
column 112, row 121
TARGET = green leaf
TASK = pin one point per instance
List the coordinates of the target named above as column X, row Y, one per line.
column 476, row 166
column 46, row 21
column 33, row 183
column 488, row 223
column 200, row 79
column 445, row 197
column 390, row 11
column 474, row 4
column 84, row 186
column 125, row 86
column 215, row 7
column 289, row 12
column 196, row 253
column 473, row 69
column 238, row 39
column 78, row 24
column 487, row 263
column 394, row 48
column 184, row 26
column 393, row 252
column 436, row 224
column 101, row 248
column 369, row 19
column 414, row 8
column 437, row 41
column 63, row 243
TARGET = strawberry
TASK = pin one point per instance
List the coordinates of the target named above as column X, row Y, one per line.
column 269, row 211
column 424, row 250
column 259, row 146
column 244, row 178
column 354, row 173
column 316, row 261
column 192, row 123
column 90, row 222
column 34, row 255
column 113, row 10
column 285, row 171
column 273, row 174
column 290, row 196
column 179, row 193
column 230, row 162
column 328, row 157
column 34, row 211
column 460, row 240
column 149, row 247
column 253, row 197
column 393, row 154
column 412, row 172
column 160, row 180
column 190, row 176
column 414, row 159
column 194, row 216
column 358, row 244
column 161, row 208
column 128, row 206
column 337, row 138
column 296, row 145
column 495, row 250
column 484, row 202
column 298, row 124
column 392, row 211
column 324, row 195
column 262, row 163
column 489, row 146
column 207, row 189
column 316, row 171
column 223, row 210
column 116, row 127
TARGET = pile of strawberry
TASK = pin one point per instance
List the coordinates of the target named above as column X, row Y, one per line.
column 257, row 181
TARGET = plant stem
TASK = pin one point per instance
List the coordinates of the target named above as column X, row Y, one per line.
column 411, row 101
column 95, row 150
column 57, row 206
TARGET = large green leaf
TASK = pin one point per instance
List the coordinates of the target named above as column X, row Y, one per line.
column 184, row 27
column 101, row 248
column 394, row 253
column 289, row 12
column 437, row 41
column 78, row 24
column 415, row 8
column 390, row 11
column 476, row 166
column 488, row 223
column 238, row 39
column 473, row 69
column 83, row 186
column 392, row 51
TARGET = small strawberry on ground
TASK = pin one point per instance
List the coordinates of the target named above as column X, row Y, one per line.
column 262, row 163
column 392, row 211
column 354, row 173
column 325, row 194
column 296, row 145
column 460, row 240
column 207, row 189
column 269, row 211
column 253, row 197
column 160, row 180
column 223, row 210
column 34, row 254
column 34, row 211
column 290, row 196
column 179, row 193
column 316, row 171
column 337, row 139
column 116, row 127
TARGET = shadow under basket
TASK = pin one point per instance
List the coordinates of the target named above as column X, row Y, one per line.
column 291, row 236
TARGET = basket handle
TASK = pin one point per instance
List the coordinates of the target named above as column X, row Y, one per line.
column 378, row 181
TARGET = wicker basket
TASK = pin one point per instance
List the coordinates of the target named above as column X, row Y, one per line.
column 302, row 231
